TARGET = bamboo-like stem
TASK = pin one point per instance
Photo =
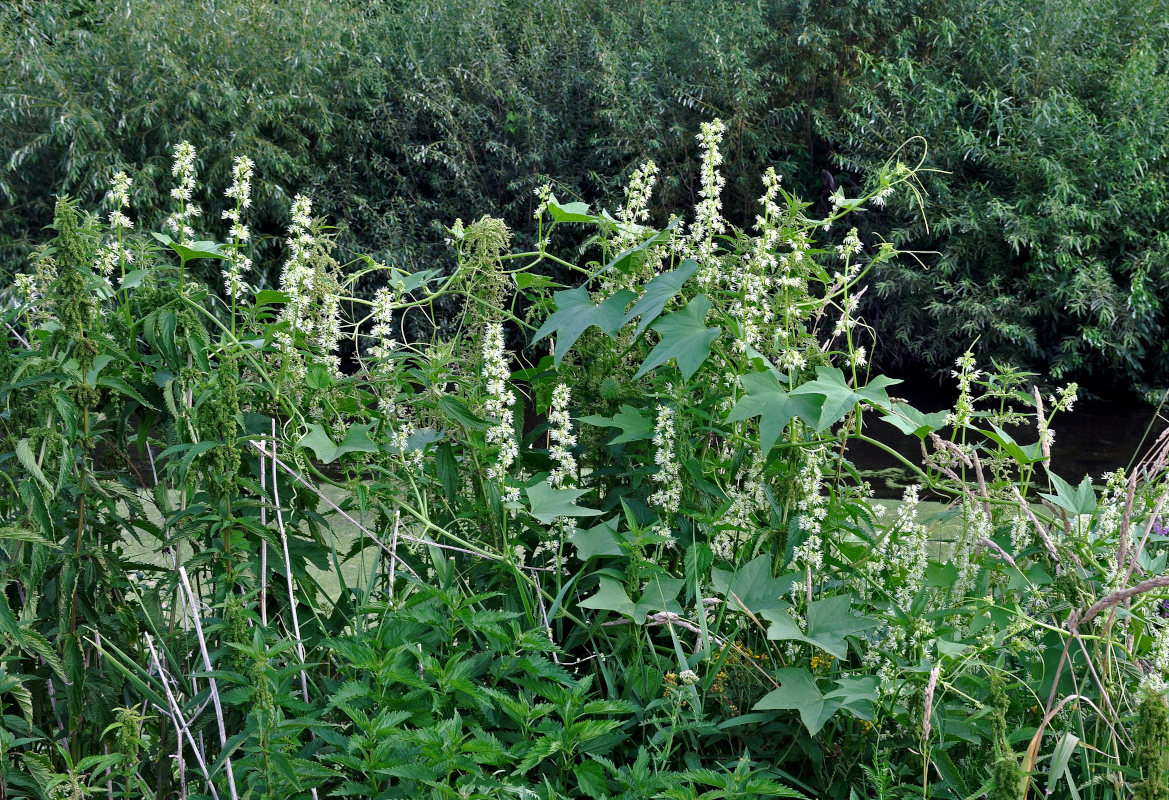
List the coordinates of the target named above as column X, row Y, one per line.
column 207, row 665
column 288, row 575
column 181, row 726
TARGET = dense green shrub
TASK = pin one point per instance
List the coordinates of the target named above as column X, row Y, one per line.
column 639, row 566
column 1044, row 230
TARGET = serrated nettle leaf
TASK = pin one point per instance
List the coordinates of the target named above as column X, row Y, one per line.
column 1078, row 500
column 546, row 503
column 767, row 400
column 684, row 339
column 456, row 409
column 575, row 313
column 634, row 427
column 658, row 292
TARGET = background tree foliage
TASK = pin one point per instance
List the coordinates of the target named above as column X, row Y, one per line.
column 1047, row 121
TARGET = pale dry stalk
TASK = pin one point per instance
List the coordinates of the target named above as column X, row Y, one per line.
column 180, row 724
column 207, row 665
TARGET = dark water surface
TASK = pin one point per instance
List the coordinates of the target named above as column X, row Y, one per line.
column 1099, row 436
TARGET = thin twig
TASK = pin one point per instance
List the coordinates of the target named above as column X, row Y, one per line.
column 207, row 665
column 176, row 715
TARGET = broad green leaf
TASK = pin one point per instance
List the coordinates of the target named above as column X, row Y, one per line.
column 658, row 292
column 526, row 280
column 660, row 595
column 356, row 440
column 569, row 212
column 685, row 339
column 600, row 540
column 631, row 258
column 1030, row 454
column 830, row 620
column 798, row 692
column 912, row 422
column 456, row 409
column 576, row 313
column 271, row 297
column 610, row 596
column 133, row 278
column 120, row 386
column 547, row 503
column 753, row 585
column 188, row 252
column 1080, row 500
column 774, row 407
column 840, row 398
column 633, row 425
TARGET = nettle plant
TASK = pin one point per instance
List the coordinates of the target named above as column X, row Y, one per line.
column 601, row 540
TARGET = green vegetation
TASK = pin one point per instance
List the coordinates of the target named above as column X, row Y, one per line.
column 619, row 548
column 1040, row 235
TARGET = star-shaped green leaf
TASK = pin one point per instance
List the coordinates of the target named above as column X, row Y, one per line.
column 356, row 440
column 1078, row 500
column 547, row 503
column 798, row 692
column 633, row 425
column 685, row 338
column 658, row 292
column 774, row 407
column 840, row 398
column 660, row 595
column 753, row 586
column 576, row 313
column 829, row 622
column 600, row 540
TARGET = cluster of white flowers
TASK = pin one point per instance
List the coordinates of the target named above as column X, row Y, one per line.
column 561, row 439
column 910, row 550
column 1160, row 651
column 850, row 247
column 637, row 195
column 298, row 276
column 669, row 496
column 241, row 191
column 383, row 317
column 543, row 194
column 708, row 219
column 966, row 375
column 499, row 402
column 26, row 286
column 1021, row 537
column 184, row 170
column 119, row 195
column 748, row 495
column 976, row 528
column 112, row 252
column 812, row 509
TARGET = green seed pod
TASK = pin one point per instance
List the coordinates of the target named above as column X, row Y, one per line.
column 610, row 388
